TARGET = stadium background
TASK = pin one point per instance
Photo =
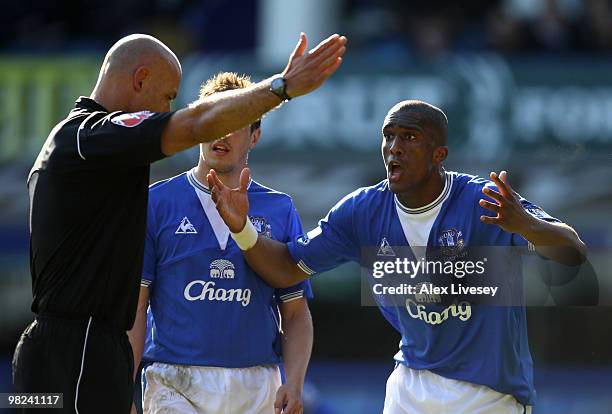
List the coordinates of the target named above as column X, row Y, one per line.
column 525, row 83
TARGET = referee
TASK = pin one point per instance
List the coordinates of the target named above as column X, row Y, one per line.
column 88, row 202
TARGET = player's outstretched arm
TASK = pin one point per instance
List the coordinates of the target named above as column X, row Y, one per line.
column 269, row 258
column 217, row 115
column 556, row 241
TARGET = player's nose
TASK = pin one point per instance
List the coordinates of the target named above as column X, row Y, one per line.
column 395, row 148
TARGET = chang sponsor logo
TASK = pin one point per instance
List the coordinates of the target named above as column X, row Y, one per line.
column 222, row 269
column 206, row 290
column 461, row 310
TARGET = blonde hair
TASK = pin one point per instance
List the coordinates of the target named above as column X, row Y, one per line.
column 227, row 81
column 224, row 81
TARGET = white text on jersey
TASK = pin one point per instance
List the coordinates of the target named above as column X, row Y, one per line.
column 462, row 310
column 209, row 292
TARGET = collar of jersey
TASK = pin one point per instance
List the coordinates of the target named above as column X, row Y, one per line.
column 193, row 180
column 439, row 200
column 88, row 103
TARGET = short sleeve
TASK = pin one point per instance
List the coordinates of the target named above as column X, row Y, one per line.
column 302, row 289
column 332, row 243
column 537, row 212
column 121, row 137
column 149, row 265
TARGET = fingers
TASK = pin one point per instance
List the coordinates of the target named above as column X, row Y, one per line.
column 503, row 176
column 496, row 208
column 214, row 185
column 292, row 407
column 328, row 58
column 215, row 180
column 500, row 184
column 300, row 48
column 245, row 177
column 214, row 193
column 281, row 397
column 330, row 70
column 279, row 403
column 493, row 194
column 490, row 220
column 211, row 182
column 306, row 72
column 333, row 50
column 331, row 58
column 331, row 41
column 323, row 58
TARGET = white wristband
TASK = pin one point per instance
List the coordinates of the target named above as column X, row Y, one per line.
column 247, row 237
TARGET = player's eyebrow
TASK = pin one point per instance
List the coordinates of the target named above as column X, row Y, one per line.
column 404, row 128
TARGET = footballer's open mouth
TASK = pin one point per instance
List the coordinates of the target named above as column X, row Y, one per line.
column 220, row 148
column 394, row 170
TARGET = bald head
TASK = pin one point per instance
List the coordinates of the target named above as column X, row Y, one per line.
column 139, row 73
column 415, row 112
column 137, row 50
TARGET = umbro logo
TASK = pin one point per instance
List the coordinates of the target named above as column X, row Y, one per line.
column 186, row 227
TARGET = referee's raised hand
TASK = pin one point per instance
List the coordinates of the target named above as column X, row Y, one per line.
column 306, row 71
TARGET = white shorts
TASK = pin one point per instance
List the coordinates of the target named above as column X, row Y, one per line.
column 412, row 391
column 209, row 390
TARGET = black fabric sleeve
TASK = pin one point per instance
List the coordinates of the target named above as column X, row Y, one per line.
column 121, row 137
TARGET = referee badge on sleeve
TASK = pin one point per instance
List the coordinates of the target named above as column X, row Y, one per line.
column 131, row 120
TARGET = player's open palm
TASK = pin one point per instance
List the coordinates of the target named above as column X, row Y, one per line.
column 288, row 400
column 232, row 203
column 510, row 213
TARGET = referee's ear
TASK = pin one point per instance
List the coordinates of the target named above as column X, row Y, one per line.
column 255, row 135
column 140, row 74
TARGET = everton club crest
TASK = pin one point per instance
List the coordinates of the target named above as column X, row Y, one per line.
column 451, row 243
column 262, row 226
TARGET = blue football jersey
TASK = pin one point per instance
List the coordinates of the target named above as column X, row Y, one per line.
column 484, row 345
column 207, row 307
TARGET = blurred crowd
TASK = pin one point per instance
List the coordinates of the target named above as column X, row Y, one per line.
column 420, row 28
column 430, row 28
column 39, row 26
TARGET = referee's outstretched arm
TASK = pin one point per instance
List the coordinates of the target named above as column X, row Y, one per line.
column 222, row 113
column 141, row 73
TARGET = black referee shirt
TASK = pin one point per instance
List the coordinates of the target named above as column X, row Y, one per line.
column 88, row 204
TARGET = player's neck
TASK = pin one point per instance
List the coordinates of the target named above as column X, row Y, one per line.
column 231, row 179
column 424, row 194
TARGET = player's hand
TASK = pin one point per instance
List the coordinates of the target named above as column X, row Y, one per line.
column 510, row 213
column 288, row 400
column 306, row 71
column 133, row 410
column 232, row 203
